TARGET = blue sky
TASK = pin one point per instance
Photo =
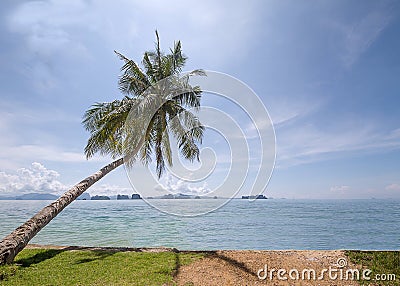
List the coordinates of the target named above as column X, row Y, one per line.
column 327, row 71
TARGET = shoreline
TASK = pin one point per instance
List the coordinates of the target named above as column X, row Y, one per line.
column 102, row 248
column 173, row 249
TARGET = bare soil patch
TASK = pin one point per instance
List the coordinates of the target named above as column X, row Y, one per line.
column 241, row 267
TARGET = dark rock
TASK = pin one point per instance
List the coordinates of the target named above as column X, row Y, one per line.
column 136, row 197
column 122, row 197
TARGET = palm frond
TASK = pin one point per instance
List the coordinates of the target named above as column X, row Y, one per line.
column 127, row 128
column 133, row 80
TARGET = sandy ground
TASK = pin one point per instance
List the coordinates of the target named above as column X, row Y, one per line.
column 243, row 267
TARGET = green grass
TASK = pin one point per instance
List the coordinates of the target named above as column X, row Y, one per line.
column 88, row 267
column 380, row 262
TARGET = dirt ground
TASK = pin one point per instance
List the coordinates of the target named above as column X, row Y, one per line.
column 243, row 268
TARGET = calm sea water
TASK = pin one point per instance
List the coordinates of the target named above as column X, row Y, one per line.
column 262, row 224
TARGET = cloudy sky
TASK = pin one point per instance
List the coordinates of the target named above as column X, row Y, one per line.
column 327, row 71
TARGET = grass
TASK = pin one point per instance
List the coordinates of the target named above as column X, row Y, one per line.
column 382, row 263
column 89, row 267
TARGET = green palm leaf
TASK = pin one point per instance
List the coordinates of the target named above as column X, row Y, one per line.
column 155, row 85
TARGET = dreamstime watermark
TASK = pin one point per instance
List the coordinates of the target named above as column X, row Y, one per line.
column 237, row 120
column 339, row 271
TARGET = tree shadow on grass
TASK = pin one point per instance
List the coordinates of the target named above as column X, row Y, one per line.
column 96, row 255
column 99, row 253
column 177, row 265
column 38, row 257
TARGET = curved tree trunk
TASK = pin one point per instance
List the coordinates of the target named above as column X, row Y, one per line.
column 12, row 244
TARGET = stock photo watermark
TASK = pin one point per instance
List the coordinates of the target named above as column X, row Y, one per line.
column 338, row 272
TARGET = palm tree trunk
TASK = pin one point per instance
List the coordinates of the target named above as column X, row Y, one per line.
column 12, row 244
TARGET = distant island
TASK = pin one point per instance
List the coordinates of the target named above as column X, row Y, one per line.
column 40, row 197
column 84, row 197
column 31, row 196
column 100, row 198
column 258, row 197
column 163, row 197
column 37, row 196
column 87, row 197
column 118, row 197
column 182, row 196
column 122, row 197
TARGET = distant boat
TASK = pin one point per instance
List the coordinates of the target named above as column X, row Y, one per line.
column 258, row 197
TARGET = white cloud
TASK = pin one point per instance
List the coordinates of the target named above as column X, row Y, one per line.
column 172, row 185
column 20, row 128
column 12, row 156
column 286, row 109
column 358, row 36
column 109, row 190
column 306, row 143
column 339, row 188
column 48, row 153
column 394, row 134
column 36, row 179
column 44, row 25
column 56, row 27
column 393, row 187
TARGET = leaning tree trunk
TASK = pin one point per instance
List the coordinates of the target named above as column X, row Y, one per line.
column 12, row 244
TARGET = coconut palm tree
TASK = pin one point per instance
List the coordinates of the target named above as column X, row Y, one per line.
column 145, row 135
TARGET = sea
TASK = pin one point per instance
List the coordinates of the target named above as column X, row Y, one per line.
column 272, row 224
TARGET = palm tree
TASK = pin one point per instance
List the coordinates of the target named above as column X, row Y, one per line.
column 109, row 135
